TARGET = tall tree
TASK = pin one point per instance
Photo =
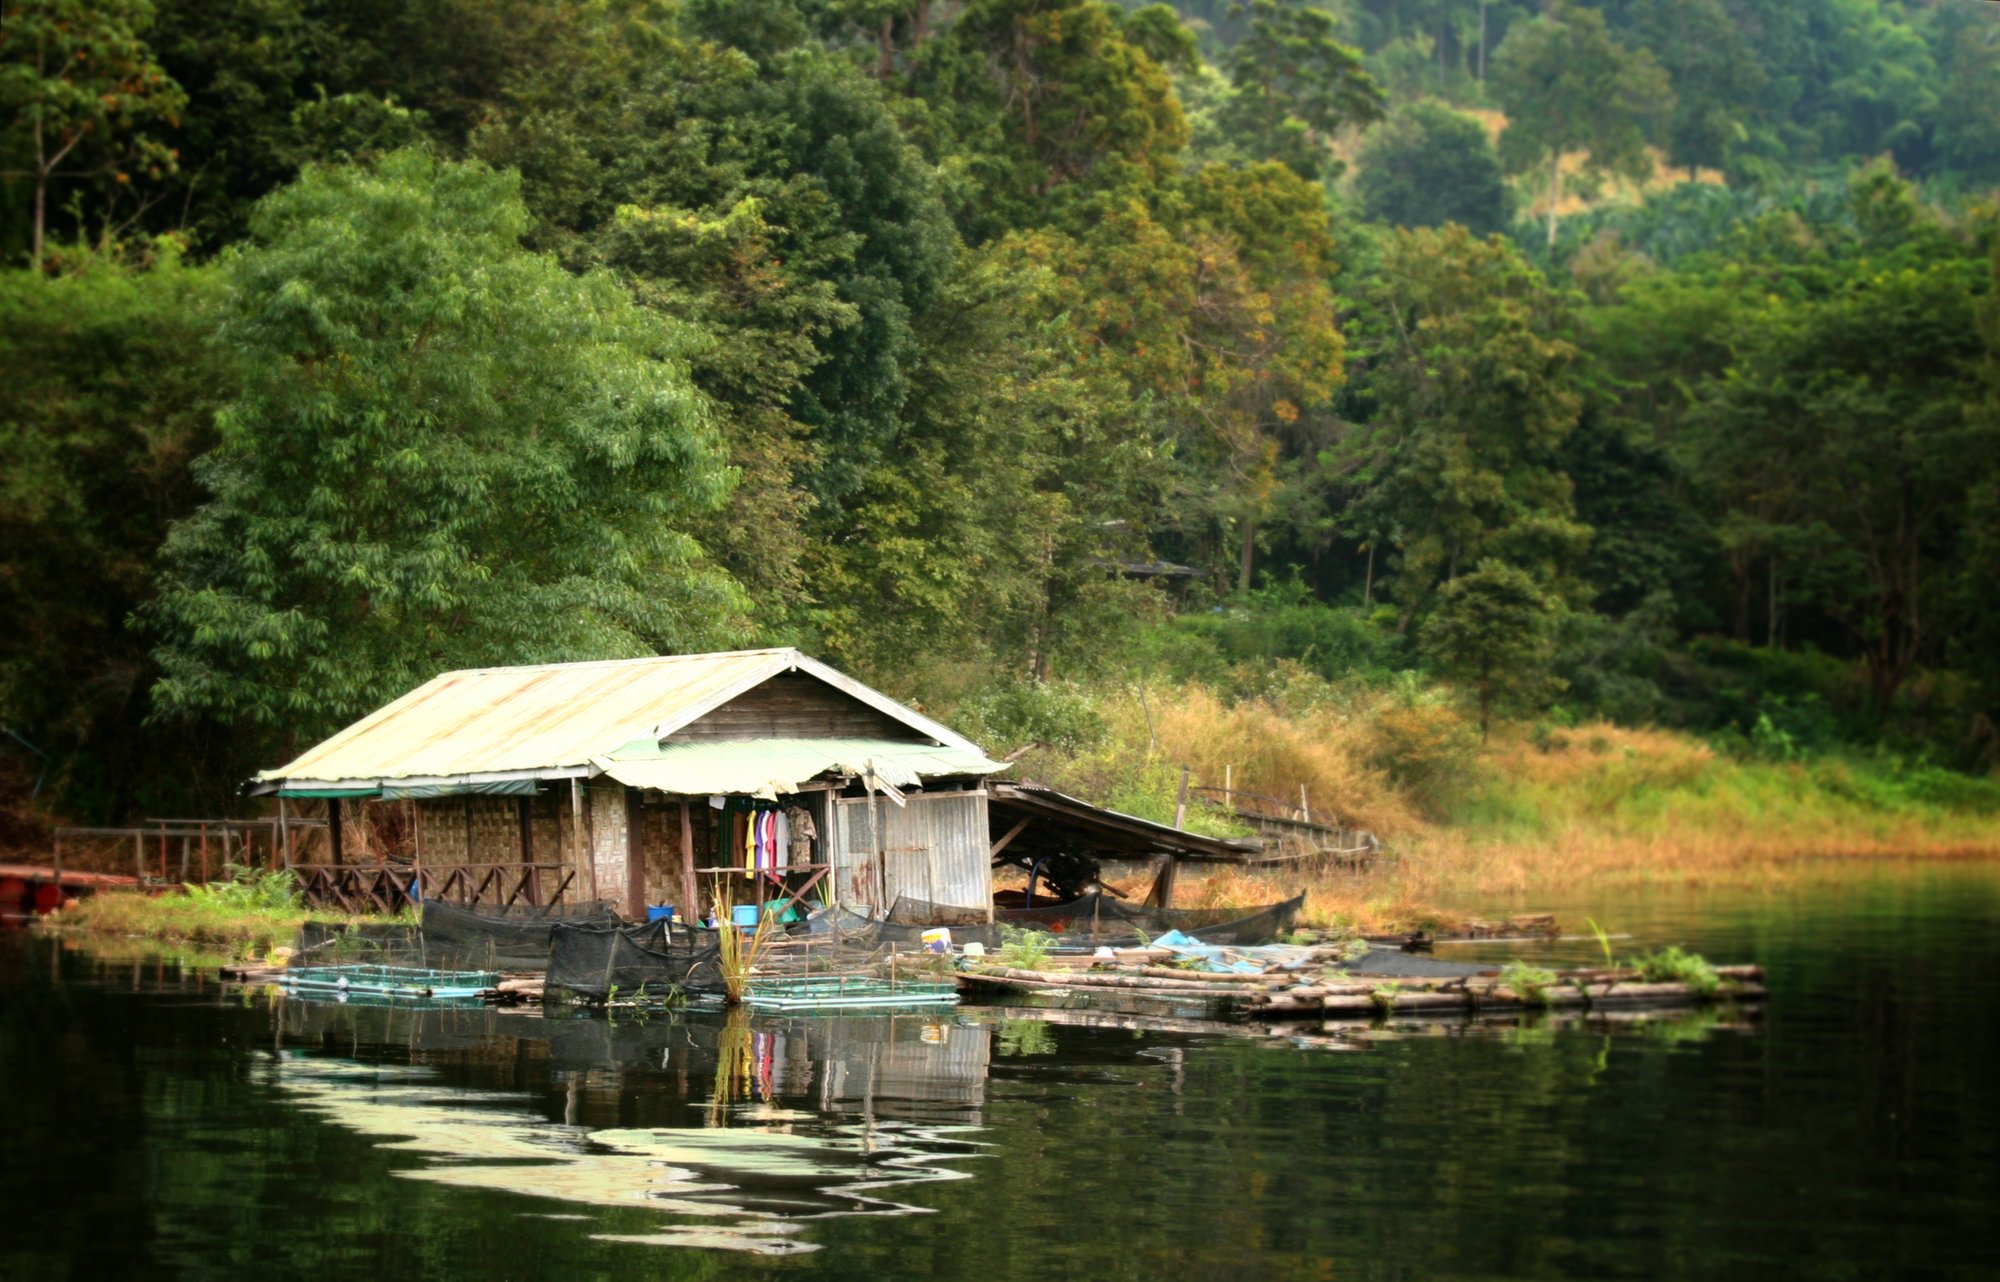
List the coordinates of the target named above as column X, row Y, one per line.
column 1716, row 77
column 111, row 382
column 1296, row 84
column 1494, row 630
column 1569, row 88
column 81, row 93
column 1461, row 396
column 446, row 451
column 1428, row 165
column 1848, row 434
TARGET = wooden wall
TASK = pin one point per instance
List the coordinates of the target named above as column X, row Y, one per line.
column 795, row 706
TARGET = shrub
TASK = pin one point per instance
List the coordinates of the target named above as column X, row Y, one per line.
column 1427, row 748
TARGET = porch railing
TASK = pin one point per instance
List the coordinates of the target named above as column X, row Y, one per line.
column 357, row 888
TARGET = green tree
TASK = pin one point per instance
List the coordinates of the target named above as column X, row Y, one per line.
column 446, row 451
column 1043, row 102
column 1296, row 84
column 111, row 386
column 1568, row 87
column 1428, row 165
column 1968, row 131
column 1462, row 394
column 1494, row 630
column 1845, row 438
column 1716, row 77
column 80, row 92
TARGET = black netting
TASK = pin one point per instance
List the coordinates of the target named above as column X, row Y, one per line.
column 372, row 941
column 501, row 938
column 589, row 961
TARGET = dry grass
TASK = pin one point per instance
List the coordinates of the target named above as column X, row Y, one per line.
column 1260, row 747
column 1598, row 807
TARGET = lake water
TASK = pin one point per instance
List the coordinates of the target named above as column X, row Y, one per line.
column 162, row 1125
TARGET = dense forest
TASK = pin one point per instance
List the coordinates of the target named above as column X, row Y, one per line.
column 1635, row 360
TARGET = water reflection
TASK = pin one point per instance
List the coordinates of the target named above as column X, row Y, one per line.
column 765, row 1125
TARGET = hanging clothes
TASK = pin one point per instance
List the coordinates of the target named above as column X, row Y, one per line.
column 802, row 832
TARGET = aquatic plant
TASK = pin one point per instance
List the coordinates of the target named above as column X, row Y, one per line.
column 1603, row 941
column 1024, row 949
column 1529, row 983
column 1385, row 996
column 1670, row 965
column 736, row 953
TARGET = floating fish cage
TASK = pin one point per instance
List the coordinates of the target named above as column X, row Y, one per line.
column 845, row 992
column 390, row 981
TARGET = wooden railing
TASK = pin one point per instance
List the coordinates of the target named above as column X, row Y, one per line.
column 358, row 888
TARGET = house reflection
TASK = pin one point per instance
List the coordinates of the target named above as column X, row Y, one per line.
column 735, row 1133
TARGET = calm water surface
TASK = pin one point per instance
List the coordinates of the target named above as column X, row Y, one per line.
column 161, row 1125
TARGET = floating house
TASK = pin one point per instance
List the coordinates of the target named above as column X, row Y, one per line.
column 644, row 781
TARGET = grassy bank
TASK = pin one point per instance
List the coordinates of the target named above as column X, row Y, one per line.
column 238, row 919
column 1537, row 811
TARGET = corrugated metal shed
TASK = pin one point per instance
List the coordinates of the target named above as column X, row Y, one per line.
column 933, row 848
column 550, row 720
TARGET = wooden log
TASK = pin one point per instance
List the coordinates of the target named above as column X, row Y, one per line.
column 1489, row 995
column 1123, row 983
column 1214, row 977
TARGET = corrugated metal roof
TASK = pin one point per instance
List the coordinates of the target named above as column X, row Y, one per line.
column 554, row 718
column 767, row 767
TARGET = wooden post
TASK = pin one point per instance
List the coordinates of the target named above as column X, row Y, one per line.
column 284, row 831
column 1305, row 811
column 204, row 854
column 334, row 843
column 139, row 857
column 635, row 858
column 1180, row 802
column 468, row 829
column 1229, row 786
column 586, row 858
column 528, row 873
column 163, row 850
column 690, row 909
column 1162, row 894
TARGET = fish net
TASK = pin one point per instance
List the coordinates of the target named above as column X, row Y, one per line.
column 512, row 937
column 589, row 961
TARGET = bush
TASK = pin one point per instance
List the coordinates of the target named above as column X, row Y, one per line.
column 1428, row 749
column 250, row 890
column 1057, row 715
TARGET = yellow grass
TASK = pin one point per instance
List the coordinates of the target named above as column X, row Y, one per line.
column 1598, row 807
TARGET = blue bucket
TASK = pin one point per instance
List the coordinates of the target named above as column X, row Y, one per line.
column 659, row 912
column 744, row 914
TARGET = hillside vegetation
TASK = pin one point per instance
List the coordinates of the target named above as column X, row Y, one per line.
column 1351, row 393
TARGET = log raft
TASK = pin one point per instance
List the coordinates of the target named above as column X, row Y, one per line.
column 1282, row 996
column 1581, row 990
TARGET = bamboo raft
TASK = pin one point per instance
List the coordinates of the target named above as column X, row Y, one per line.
column 1286, row 996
